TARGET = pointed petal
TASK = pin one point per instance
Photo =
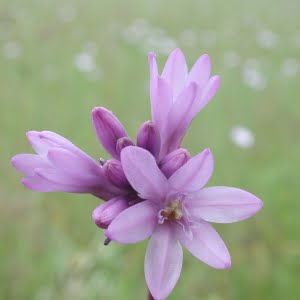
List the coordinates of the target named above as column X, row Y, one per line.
column 177, row 120
column 42, row 141
column 175, row 71
column 163, row 262
column 38, row 183
column 152, row 66
column 194, row 174
column 134, row 224
column 108, row 129
column 143, row 173
column 223, row 204
column 200, row 71
column 161, row 101
column 83, row 182
column 63, row 159
column 206, row 94
column 26, row 163
column 149, row 138
column 206, row 245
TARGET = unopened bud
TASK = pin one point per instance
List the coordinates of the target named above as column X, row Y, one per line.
column 149, row 138
column 104, row 214
column 173, row 161
column 114, row 173
column 108, row 129
column 122, row 143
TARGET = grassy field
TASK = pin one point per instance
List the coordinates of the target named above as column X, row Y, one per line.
column 59, row 59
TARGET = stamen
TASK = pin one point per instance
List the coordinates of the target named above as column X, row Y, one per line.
column 172, row 211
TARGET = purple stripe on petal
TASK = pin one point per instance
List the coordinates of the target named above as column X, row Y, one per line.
column 194, row 174
column 206, row 245
column 163, row 261
column 223, row 204
column 134, row 224
column 108, row 129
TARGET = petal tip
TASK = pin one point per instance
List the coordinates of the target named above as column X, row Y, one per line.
column 227, row 264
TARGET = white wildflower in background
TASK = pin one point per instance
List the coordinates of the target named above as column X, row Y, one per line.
column 253, row 76
column 85, row 62
column 188, row 38
column 67, row 13
column 267, row 39
column 290, row 67
column 242, row 137
column 231, row 59
column 148, row 37
column 11, row 50
column 208, row 38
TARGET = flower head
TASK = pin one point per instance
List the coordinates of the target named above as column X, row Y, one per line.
column 59, row 166
column 177, row 96
column 176, row 212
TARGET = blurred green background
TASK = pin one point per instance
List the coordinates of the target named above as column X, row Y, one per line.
column 59, row 59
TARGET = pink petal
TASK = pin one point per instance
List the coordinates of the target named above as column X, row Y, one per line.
column 152, row 66
column 65, row 160
column 200, row 71
column 178, row 121
column 133, row 224
column 26, row 163
column 40, row 184
column 161, row 101
column 223, row 204
column 163, row 262
column 206, row 245
column 175, row 71
column 206, row 94
column 143, row 173
column 84, row 182
column 193, row 175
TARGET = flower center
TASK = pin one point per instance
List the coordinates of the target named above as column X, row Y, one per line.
column 172, row 211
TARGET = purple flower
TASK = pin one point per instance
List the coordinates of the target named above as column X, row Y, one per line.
column 176, row 212
column 59, row 166
column 177, row 96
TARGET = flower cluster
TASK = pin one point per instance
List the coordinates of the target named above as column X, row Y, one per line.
column 152, row 188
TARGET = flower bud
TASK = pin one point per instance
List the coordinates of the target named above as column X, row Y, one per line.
column 104, row 214
column 108, row 129
column 149, row 138
column 122, row 143
column 114, row 173
column 173, row 161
